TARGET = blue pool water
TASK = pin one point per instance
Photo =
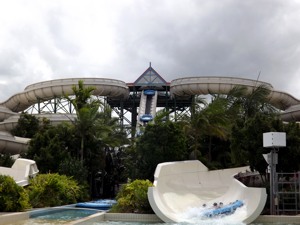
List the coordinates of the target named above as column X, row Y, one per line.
column 55, row 216
column 62, row 214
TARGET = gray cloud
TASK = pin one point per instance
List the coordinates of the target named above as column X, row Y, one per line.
column 181, row 38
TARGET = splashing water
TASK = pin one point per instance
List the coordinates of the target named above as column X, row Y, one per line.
column 196, row 216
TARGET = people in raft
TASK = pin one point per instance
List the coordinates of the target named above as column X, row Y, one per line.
column 215, row 205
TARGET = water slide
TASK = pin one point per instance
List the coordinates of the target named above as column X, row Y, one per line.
column 182, row 187
column 222, row 85
column 15, row 145
column 47, row 90
column 142, row 107
column 147, row 106
column 21, row 171
column 39, row 92
column 168, row 194
column 153, row 104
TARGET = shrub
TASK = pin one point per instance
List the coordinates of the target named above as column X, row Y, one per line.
column 132, row 197
column 13, row 198
column 47, row 190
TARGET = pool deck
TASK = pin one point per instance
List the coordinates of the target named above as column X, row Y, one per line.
column 8, row 218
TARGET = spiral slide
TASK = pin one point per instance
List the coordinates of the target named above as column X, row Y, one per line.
column 182, row 186
column 42, row 91
column 222, row 85
column 45, row 91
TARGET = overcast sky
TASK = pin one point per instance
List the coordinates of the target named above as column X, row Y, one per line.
column 52, row 39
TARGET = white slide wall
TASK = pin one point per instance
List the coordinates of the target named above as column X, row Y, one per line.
column 179, row 186
column 21, row 171
column 153, row 104
column 142, row 107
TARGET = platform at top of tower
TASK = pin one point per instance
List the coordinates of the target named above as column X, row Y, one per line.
column 150, row 79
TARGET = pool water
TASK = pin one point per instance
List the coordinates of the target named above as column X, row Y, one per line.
column 62, row 214
column 39, row 222
column 55, row 216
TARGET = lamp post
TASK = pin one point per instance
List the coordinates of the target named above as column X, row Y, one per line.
column 273, row 140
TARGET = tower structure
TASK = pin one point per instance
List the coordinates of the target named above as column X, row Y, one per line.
column 129, row 109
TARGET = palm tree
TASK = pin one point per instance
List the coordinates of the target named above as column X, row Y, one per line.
column 108, row 130
column 86, row 110
column 218, row 122
column 247, row 108
column 247, row 103
column 192, row 125
column 206, row 120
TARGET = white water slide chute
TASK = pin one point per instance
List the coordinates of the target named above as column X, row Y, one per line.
column 147, row 108
column 182, row 186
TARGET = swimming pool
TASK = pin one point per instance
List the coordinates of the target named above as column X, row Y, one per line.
column 103, row 218
column 54, row 216
column 63, row 214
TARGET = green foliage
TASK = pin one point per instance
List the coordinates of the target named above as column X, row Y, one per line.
column 161, row 142
column 27, row 126
column 13, row 198
column 247, row 142
column 6, row 160
column 51, row 146
column 48, row 190
column 288, row 157
column 133, row 198
column 72, row 167
column 86, row 110
column 60, row 148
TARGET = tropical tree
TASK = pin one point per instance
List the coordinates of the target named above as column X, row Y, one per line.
column 247, row 142
column 27, row 126
column 192, row 126
column 159, row 143
column 207, row 120
column 86, row 110
column 51, row 146
column 107, row 138
column 254, row 115
column 288, row 157
column 99, row 132
column 245, row 103
column 6, row 160
column 218, row 122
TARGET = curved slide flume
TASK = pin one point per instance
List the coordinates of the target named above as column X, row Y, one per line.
column 181, row 186
column 47, row 90
column 43, row 91
column 222, row 85
column 56, row 88
column 15, row 145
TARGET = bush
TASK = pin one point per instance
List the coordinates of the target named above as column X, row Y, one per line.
column 132, row 198
column 13, row 198
column 47, row 190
